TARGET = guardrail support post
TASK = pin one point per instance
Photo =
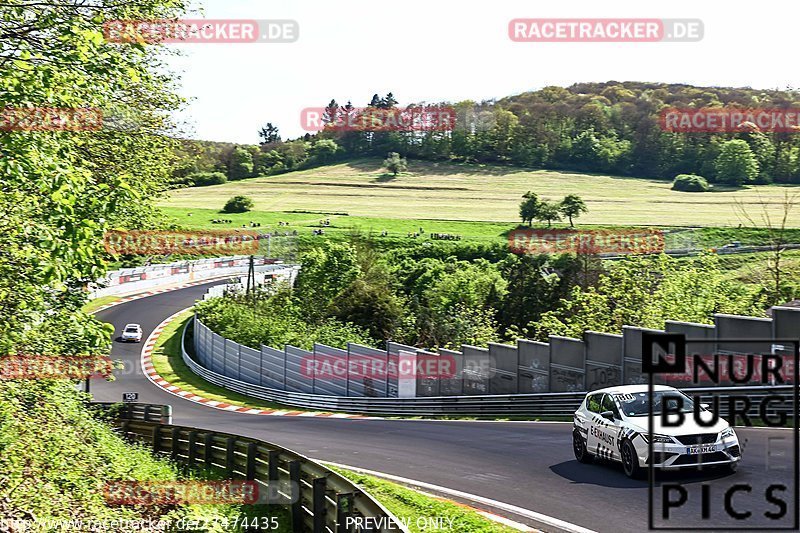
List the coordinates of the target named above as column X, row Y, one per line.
column 318, row 505
column 192, row 448
column 156, row 438
column 297, row 498
column 251, row 461
column 230, row 457
column 344, row 509
column 175, row 447
column 166, row 414
column 272, row 464
column 147, row 412
column 208, row 440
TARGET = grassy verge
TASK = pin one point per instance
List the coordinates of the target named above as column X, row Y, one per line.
column 418, row 509
column 45, row 489
column 93, row 305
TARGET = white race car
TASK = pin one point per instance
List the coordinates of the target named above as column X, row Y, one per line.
column 612, row 424
column 131, row 333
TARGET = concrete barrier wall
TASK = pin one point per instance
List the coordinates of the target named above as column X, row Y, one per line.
column 603, row 360
column 296, row 379
column 567, row 364
column 369, row 380
column 534, row 366
column 476, row 370
column 632, row 361
column 427, row 385
column 394, row 349
column 328, row 380
column 743, row 327
column 503, row 372
column 453, row 386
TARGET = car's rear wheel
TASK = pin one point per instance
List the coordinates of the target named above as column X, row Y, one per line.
column 579, row 447
column 630, row 462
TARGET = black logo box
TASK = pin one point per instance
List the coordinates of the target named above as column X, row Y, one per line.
column 663, row 366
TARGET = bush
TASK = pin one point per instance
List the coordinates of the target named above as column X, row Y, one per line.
column 690, row 183
column 238, row 204
column 207, row 178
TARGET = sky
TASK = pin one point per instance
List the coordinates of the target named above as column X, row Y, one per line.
column 443, row 50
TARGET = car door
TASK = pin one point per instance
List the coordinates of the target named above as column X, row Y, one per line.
column 593, row 406
column 603, row 433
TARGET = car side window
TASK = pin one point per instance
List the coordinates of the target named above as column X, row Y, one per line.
column 593, row 403
column 608, row 405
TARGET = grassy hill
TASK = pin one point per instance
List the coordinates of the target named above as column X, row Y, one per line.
column 448, row 191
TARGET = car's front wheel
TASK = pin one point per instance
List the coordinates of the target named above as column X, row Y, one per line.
column 630, row 461
column 579, row 447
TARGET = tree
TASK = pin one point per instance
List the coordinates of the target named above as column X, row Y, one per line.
column 529, row 208
column 376, row 101
column 199, row 179
column 269, row 134
column 572, row 206
column 736, row 163
column 323, row 150
column 778, row 237
column 388, row 102
column 241, row 164
column 331, row 113
column 238, row 204
column 548, row 212
column 395, row 164
column 690, row 183
column 327, row 271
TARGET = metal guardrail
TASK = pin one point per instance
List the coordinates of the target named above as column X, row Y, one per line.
column 550, row 404
column 320, row 500
column 136, row 411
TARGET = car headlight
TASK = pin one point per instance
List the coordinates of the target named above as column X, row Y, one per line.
column 658, row 438
column 726, row 433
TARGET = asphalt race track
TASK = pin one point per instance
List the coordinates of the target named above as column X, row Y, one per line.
column 529, row 465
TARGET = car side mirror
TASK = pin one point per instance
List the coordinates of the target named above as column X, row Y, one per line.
column 608, row 415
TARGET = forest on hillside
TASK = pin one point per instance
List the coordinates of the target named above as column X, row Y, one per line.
column 611, row 128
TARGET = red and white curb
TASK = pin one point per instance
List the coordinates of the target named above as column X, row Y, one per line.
column 150, row 371
column 153, row 292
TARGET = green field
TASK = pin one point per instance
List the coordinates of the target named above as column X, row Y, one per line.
column 460, row 192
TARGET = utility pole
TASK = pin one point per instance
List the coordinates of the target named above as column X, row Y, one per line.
column 251, row 283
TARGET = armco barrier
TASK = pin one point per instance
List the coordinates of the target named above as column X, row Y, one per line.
column 146, row 412
column 321, row 500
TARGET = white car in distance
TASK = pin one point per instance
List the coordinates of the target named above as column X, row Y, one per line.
column 131, row 333
column 612, row 424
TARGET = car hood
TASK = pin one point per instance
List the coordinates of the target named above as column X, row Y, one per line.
column 688, row 427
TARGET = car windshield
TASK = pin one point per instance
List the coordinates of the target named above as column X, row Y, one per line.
column 636, row 404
